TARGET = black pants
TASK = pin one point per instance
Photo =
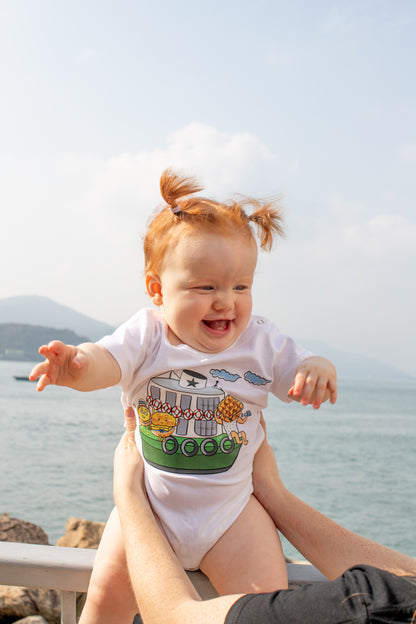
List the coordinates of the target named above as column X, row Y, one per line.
column 362, row 595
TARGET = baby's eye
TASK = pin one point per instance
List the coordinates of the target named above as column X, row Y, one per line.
column 240, row 287
column 206, row 287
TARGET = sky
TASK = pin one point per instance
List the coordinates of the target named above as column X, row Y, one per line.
column 311, row 102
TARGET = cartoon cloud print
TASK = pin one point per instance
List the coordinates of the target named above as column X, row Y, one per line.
column 224, row 374
column 255, row 379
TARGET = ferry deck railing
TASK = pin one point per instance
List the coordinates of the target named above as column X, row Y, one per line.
column 68, row 571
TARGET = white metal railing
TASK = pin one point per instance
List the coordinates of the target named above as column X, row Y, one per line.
column 68, row 570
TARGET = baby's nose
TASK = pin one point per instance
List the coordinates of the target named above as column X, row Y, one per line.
column 223, row 300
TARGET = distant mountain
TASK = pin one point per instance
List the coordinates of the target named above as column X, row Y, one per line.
column 354, row 366
column 41, row 311
column 20, row 342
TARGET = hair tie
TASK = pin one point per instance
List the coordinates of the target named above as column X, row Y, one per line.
column 175, row 209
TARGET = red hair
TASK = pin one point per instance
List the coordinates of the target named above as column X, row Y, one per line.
column 185, row 213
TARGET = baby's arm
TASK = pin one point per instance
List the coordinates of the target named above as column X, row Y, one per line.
column 315, row 382
column 86, row 367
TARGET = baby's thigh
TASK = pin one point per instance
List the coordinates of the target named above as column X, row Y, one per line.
column 110, row 597
column 110, row 564
column 248, row 558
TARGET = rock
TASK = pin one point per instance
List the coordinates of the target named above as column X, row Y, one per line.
column 22, row 602
column 81, row 533
column 15, row 530
column 37, row 606
column 48, row 603
column 15, row 603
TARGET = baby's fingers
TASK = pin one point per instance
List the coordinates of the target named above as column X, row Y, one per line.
column 56, row 351
column 36, row 371
column 304, row 387
column 333, row 390
column 321, row 393
column 296, row 390
column 40, row 371
column 43, row 382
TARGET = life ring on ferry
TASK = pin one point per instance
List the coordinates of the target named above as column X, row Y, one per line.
column 185, row 447
column 230, row 448
column 169, row 449
column 207, row 442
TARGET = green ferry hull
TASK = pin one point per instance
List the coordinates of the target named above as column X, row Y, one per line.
column 189, row 455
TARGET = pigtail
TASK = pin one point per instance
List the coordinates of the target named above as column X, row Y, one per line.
column 269, row 221
column 174, row 186
column 186, row 213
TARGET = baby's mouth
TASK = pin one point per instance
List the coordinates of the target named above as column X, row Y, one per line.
column 218, row 325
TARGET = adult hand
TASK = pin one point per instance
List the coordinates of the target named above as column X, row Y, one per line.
column 128, row 463
column 267, row 483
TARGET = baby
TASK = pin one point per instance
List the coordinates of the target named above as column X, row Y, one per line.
column 198, row 373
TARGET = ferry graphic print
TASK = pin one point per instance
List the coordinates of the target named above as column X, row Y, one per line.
column 187, row 426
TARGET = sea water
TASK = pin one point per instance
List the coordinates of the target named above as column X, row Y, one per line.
column 354, row 461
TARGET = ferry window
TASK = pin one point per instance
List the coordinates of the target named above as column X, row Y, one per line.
column 206, row 427
column 171, row 398
column 182, row 427
column 207, row 403
column 155, row 392
column 186, row 401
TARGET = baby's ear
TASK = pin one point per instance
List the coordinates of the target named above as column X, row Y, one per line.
column 154, row 289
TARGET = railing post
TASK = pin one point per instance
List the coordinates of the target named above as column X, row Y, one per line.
column 68, row 607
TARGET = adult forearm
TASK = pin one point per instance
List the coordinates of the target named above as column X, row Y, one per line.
column 326, row 544
column 153, row 569
column 162, row 589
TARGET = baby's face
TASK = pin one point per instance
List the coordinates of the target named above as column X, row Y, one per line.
column 206, row 283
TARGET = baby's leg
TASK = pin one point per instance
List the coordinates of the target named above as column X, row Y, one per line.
column 248, row 558
column 110, row 597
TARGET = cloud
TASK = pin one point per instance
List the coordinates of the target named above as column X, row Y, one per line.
column 350, row 283
column 83, row 216
column 224, row 374
column 383, row 237
column 256, row 379
column 127, row 185
column 224, row 163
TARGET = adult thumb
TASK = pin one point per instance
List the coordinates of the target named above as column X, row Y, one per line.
column 130, row 420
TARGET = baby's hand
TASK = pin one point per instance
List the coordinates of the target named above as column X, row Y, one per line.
column 62, row 365
column 315, row 382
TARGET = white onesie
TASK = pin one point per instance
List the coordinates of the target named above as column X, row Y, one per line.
column 199, row 421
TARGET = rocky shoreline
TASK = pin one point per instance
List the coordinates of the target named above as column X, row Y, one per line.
column 26, row 605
